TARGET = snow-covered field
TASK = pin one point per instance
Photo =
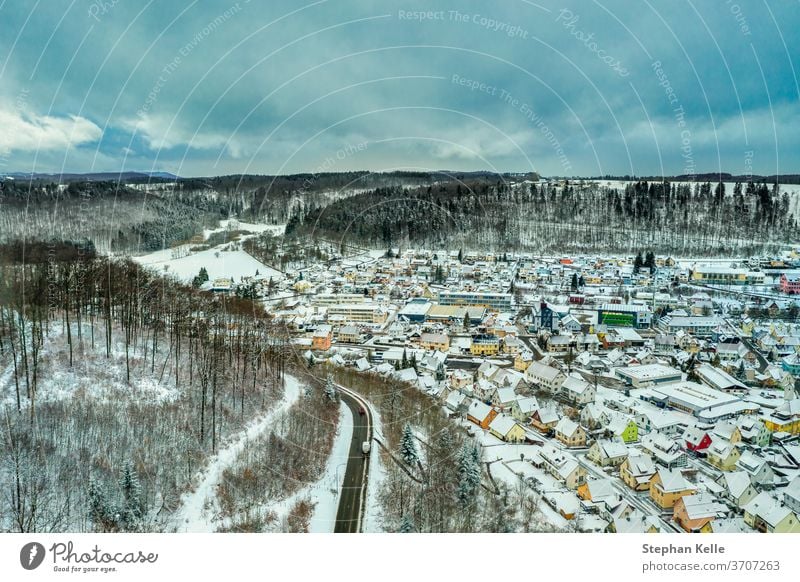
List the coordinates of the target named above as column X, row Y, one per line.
column 233, row 224
column 198, row 510
column 219, row 263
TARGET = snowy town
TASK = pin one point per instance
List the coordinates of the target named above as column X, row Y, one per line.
column 631, row 394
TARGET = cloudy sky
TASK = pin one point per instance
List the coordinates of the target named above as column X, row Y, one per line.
column 275, row 86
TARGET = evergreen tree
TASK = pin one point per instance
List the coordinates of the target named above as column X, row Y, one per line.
column 330, row 389
column 466, row 319
column 460, row 255
column 469, row 472
column 133, row 502
column 408, row 446
column 441, row 375
column 406, row 525
column 404, row 361
column 101, row 514
column 574, row 282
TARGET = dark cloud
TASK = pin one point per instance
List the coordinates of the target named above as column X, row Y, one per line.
column 564, row 88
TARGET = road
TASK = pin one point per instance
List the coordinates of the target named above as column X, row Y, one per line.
column 350, row 512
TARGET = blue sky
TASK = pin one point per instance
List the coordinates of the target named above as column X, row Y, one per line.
column 563, row 88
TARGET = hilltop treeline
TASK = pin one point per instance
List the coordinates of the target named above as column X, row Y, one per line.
column 143, row 217
column 673, row 218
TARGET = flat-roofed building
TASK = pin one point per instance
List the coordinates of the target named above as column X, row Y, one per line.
column 489, row 300
column 648, row 375
column 624, row 315
column 357, row 313
column 691, row 397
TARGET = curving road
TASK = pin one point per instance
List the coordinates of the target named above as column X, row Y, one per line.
column 350, row 512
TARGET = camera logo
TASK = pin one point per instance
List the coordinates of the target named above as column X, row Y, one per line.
column 31, row 555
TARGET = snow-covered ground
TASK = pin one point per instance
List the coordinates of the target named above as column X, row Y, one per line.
column 198, row 511
column 218, row 262
column 98, row 377
column 233, row 224
column 373, row 518
column 325, row 492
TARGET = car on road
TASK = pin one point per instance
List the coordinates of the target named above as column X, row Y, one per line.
column 361, row 411
column 365, row 447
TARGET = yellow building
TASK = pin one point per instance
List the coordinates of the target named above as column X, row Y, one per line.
column 766, row 514
column 723, row 455
column 669, row 485
column 522, row 360
column 485, row 345
column 435, row 341
column 506, row 428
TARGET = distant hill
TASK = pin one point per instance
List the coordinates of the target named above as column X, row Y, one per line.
column 93, row 177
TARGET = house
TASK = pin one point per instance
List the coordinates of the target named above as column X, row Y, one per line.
column 669, row 485
column 506, row 429
column 503, row 397
column 559, row 343
column 634, row 522
column 791, row 495
column 696, row 439
column 455, row 400
column 664, row 421
column 523, row 408
column 723, row 454
column 599, row 495
column 349, row 334
column 545, row 377
column 766, row 513
column 434, row 341
column 757, row 468
column 481, row 414
column 322, row 338
column 623, row 427
column 577, row 390
column 785, row 418
column 545, row 420
column 694, row 513
column 728, row 431
column 664, row 450
column 608, row 452
column 522, row 360
column 637, row 471
column 754, row 432
column 592, row 415
column 738, row 489
column 570, row 433
column 485, row 345
column 562, row 466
